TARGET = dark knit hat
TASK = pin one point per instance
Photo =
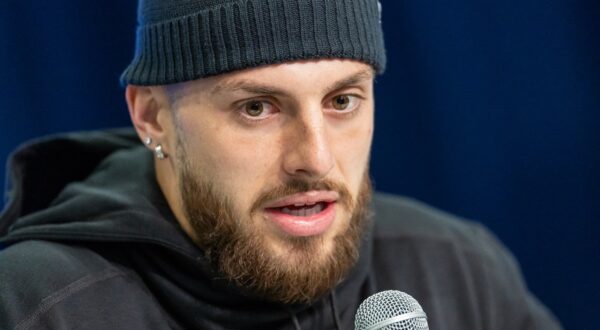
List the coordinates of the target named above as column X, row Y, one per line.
column 182, row 40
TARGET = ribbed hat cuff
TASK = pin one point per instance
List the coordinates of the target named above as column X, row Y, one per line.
column 250, row 33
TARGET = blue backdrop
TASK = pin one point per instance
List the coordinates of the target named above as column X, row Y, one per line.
column 488, row 110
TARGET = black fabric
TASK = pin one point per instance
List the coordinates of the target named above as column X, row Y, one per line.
column 107, row 253
column 34, row 166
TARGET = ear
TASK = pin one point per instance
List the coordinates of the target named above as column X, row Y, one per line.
column 147, row 109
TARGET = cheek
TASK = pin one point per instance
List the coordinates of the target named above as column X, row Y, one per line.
column 235, row 163
column 352, row 149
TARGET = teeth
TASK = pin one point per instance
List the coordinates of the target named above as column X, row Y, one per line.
column 304, row 204
column 304, row 210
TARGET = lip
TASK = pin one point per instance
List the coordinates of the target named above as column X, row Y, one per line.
column 303, row 226
column 305, row 198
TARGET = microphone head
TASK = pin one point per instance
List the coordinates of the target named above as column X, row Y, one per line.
column 390, row 310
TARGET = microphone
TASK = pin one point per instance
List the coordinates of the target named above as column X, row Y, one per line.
column 390, row 310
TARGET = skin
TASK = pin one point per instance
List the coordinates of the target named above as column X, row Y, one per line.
column 298, row 135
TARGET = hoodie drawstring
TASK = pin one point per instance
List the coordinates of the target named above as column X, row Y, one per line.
column 294, row 319
column 334, row 311
column 336, row 318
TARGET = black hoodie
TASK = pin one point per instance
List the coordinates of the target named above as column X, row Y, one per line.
column 92, row 244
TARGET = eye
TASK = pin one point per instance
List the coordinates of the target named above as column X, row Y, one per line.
column 344, row 102
column 256, row 110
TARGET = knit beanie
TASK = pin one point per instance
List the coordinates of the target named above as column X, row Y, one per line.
column 182, row 40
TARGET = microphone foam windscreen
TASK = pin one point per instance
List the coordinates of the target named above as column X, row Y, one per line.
column 390, row 310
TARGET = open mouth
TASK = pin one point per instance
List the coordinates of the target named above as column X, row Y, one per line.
column 304, row 214
column 302, row 210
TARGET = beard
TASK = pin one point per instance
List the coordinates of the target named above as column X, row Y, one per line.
column 305, row 271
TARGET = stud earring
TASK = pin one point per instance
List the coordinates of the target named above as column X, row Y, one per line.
column 159, row 152
column 148, row 141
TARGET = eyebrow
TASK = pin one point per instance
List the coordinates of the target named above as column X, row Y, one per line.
column 253, row 87
column 353, row 79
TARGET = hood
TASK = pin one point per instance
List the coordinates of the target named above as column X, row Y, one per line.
column 40, row 169
column 96, row 186
column 99, row 188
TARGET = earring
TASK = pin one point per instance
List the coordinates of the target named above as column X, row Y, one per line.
column 159, row 152
column 148, row 141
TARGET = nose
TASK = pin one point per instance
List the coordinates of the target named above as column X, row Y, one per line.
column 308, row 154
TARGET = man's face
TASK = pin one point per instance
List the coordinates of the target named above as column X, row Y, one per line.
column 272, row 169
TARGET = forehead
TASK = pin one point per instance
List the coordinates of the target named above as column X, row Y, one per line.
column 324, row 75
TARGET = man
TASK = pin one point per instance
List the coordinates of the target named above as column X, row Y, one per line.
column 253, row 207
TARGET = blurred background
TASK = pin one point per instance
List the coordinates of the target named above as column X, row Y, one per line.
column 488, row 109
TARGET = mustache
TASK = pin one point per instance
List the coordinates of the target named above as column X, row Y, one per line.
column 300, row 186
